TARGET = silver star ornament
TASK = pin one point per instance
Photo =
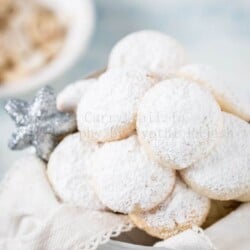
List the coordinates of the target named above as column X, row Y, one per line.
column 39, row 123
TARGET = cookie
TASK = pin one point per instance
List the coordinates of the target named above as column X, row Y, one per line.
column 69, row 172
column 182, row 210
column 108, row 110
column 126, row 180
column 68, row 99
column 178, row 122
column 225, row 173
column 154, row 51
column 231, row 100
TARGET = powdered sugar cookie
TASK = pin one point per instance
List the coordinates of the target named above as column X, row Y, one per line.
column 69, row 172
column 151, row 50
column 108, row 110
column 225, row 173
column 178, row 122
column 231, row 100
column 182, row 210
column 68, row 99
column 126, row 180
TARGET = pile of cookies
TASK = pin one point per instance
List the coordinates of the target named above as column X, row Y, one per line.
column 157, row 139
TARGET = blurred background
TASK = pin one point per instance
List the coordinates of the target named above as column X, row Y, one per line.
column 214, row 32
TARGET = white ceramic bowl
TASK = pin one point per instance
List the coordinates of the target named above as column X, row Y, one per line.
column 116, row 245
column 79, row 15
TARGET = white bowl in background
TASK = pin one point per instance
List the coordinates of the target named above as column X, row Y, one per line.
column 80, row 19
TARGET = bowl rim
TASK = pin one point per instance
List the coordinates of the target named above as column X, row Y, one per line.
column 128, row 246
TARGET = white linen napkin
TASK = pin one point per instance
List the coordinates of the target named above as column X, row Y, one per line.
column 32, row 218
column 192, row 239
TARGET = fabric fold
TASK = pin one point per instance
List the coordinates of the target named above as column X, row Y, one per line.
column 32, row 218
column 192, row 239
column 232, row 232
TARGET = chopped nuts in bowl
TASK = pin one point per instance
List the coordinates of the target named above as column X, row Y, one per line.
column 39, row 40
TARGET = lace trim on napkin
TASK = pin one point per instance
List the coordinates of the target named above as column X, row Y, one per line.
column 103, row 238
column 62, row 219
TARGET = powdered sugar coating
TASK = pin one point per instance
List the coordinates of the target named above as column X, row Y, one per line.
column 68, row 99
column 231, row 100
column 108, row 110
column 127, row 180
column 178, row 122
column 225, row 173
column 182, row 210
column 69, row 172
column 154, row 51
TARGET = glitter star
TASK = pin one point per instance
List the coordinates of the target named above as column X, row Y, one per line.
column 39, row 123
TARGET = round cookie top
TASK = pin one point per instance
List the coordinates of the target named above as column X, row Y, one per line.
column 182, row 210
column 225, row 173
column 69, row 172
column 108, row 110
column 151, row 50
column 126, row 180
column 178, row 122
column 68, row 99
column 231, row 100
